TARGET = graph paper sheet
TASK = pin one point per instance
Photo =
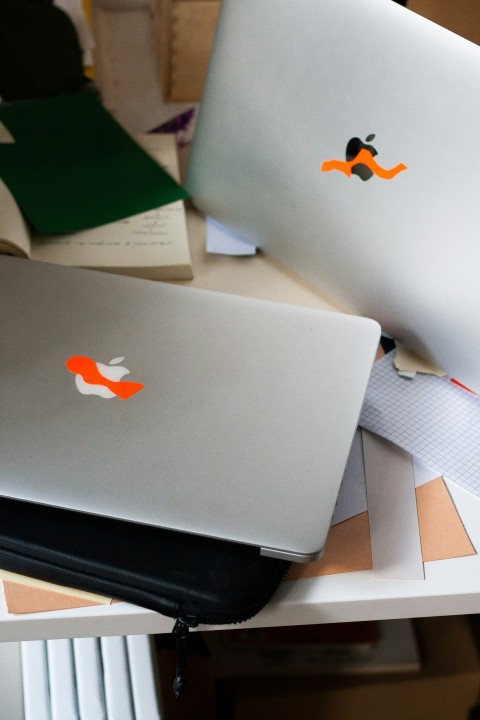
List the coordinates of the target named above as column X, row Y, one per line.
column 429, row 417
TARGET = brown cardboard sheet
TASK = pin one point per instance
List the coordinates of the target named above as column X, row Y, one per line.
column 348, row 549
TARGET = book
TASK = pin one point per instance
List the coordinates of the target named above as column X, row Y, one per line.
column 116, row 677
column 34, row 681
column 71, row 166
column 152, row 244
column 11, row 691
column 89, row 679
column 143, row 677
column 61, row 680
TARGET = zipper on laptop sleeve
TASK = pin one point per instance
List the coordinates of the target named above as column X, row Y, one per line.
column 180, row 630
column 183, row 623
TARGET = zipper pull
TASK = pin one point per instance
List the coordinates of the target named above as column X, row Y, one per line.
column 180, row 630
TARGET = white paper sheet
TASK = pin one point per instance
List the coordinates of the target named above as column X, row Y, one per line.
column 392, row 510
column 352, row 498
column 222, row 241
column 429, row 417
column 422, row 473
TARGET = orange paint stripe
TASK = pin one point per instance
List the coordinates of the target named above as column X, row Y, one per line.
column 364, row 157
column 87, row 368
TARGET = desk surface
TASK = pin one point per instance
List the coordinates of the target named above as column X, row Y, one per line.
column 450, row 587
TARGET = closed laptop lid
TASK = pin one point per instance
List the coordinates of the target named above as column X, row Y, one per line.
column 180, row 408
column 296, row 90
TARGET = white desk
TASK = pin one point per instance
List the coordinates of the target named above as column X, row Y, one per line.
column 127, row 70
column 450, row 587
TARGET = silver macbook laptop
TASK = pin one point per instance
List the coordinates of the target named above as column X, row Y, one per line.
column 180, row 408
column 341, row 136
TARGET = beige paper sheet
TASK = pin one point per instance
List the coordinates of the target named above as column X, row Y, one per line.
column 408, row 361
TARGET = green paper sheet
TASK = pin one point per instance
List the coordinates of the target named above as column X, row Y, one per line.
column 72, row 166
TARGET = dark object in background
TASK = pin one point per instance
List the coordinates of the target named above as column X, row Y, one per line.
column 40, row 55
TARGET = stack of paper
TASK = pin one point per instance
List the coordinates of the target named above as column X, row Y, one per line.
column 109, row 678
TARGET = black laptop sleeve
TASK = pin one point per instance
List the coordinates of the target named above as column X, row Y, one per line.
column 195, row 580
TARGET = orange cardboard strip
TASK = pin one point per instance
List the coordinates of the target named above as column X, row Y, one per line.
column 30, row 599
column 348, row 550
column 442, row 533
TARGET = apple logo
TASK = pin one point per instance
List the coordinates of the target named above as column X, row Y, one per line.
column 96, row 378
column 353, row 148
column 360, row 162
column 112, row 371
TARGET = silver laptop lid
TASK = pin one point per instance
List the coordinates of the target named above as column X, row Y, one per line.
column 290, row 85
column 235, row 420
